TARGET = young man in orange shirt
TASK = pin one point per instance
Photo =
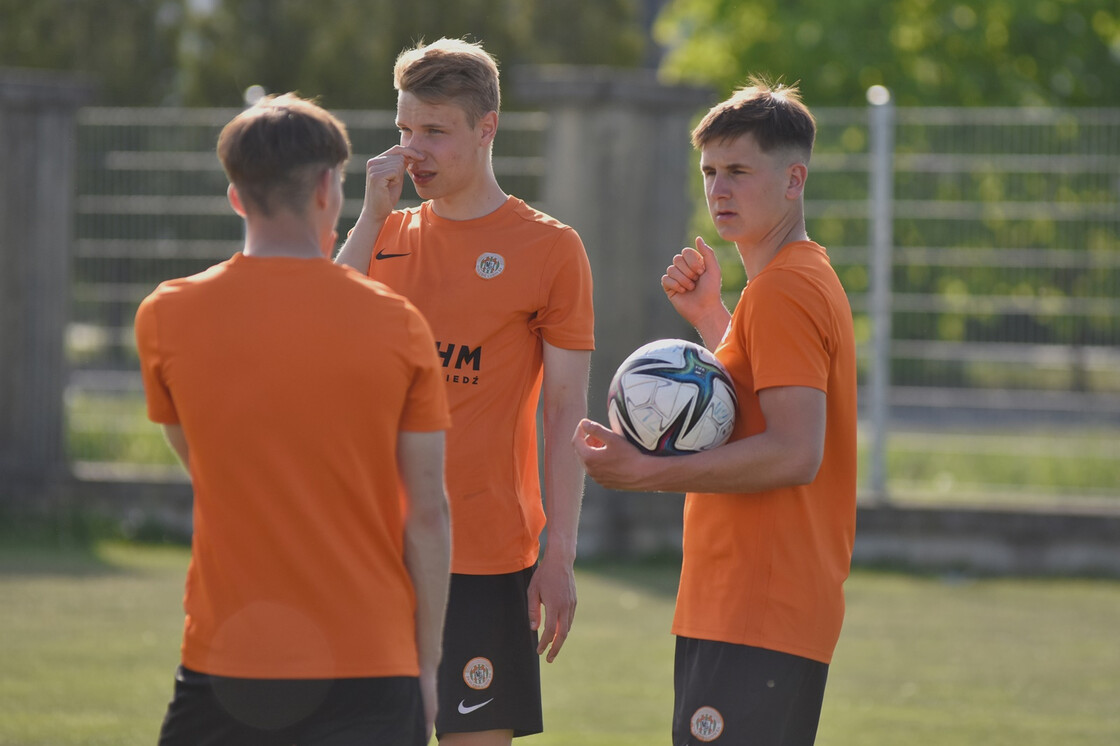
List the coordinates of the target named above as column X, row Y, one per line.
column 507, row 291
column 320, row 557
column 769, row 517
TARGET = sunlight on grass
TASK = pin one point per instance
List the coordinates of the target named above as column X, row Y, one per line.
column 951, row 466
column 89, row 641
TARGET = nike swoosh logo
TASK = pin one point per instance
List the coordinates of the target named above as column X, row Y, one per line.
column 464, row 710
column 382, row 255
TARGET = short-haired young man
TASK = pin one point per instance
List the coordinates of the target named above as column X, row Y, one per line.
column 320, row 557
column 769, row 517
column 507, row 291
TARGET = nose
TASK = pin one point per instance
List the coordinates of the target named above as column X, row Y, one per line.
column 716, row 187
column 416, row 143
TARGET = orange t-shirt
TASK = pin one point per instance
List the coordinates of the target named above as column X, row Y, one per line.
column 492, row 289
column 767, row 569
column 291, row 379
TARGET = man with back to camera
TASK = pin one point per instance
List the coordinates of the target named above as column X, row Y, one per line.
column 769, row 517
column 320, row 554
column 507, row 291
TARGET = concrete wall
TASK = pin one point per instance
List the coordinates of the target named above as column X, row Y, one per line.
column 1034, row 541
column 1054, row 541
column 37, row 152
column 618, row 163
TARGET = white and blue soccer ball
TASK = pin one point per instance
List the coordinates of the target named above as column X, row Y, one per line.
column 671, row 397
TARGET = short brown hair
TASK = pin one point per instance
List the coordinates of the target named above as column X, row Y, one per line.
column 772, row 112
column 275, row 150
column 450, row 71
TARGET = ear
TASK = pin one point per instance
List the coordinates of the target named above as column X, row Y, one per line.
column 795, row 186
column 488, row 127
column 235, row 200
column 323, row 188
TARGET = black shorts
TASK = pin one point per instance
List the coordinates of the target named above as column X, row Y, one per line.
column 490, row 674
column 219, row 711
column 734, row 695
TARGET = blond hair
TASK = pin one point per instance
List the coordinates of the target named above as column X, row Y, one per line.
column 450, row 71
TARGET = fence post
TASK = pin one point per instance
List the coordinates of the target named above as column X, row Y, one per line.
column 882, row 240
column 37, row 150
column 618, row 165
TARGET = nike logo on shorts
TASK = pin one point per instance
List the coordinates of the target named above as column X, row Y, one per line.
column 382, row 255
column 464, row 710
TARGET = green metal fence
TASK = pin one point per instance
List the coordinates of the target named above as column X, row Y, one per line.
column 999, row 282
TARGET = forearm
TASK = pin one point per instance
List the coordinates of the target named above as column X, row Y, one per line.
column 755, row 464
column 786, row 454
column 713, row 326
column 427, row 538
column 565, row 404
column 178, row 442
column 553, row 585
column 564, row 480
column 428, row 558
column 357, row 249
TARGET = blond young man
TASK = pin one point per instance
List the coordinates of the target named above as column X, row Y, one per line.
column 507, row 291
column 320, row 556
column 770, row 516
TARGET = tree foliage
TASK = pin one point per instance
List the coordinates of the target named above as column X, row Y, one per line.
column 130, row 47
column 207, row 52
column 343, row 51
column 927, row 52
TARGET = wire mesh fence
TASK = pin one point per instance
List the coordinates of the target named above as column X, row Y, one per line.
column 1004, row 280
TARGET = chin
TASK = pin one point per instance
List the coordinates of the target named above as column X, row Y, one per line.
column 725, row 232
column 426, row 191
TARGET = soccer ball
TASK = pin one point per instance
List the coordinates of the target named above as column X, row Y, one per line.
column 672, row 397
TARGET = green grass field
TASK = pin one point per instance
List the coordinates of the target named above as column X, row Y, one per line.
column 89, row 638
column 978, row 465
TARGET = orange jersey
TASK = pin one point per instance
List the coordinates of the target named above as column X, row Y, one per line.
column 492, row 289
column 767, row 569
column 291, row 379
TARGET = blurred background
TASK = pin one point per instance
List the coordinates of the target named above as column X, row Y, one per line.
column 971, row 207
column 966, row 182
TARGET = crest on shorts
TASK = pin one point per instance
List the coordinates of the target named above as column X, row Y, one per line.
column 489, row 265
column 706, row 724
column 478, row 673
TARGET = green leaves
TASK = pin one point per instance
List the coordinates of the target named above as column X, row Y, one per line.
column 928, row 52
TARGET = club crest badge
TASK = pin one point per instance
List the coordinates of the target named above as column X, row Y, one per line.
column 478, row 673
column 489, row 265
column 706, row 724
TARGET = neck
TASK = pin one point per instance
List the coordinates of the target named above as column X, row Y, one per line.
column 757, row 255
column 468, row 204
column 282, row 236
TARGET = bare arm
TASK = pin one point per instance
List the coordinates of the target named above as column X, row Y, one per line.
column 427, row 549
column 178, row 442
column 384, row 182
column 787, row 453
column 565, row 404
column 693, row 283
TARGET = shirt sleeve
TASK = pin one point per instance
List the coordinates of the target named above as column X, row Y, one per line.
column 785, row 333
column 426, row 407
column 161, row 406
column 566, row 316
